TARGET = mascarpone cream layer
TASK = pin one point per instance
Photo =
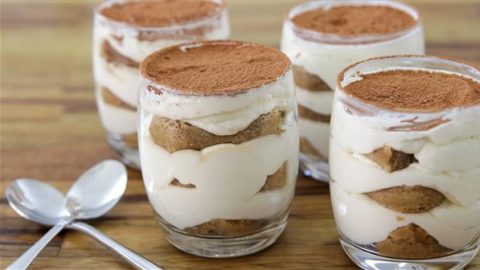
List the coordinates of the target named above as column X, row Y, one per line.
column 227, row 178
column 116, row 120
column 457, row 139
column 319, row 102
column 358, row 174
column 121, row 80
column 364, row 221
column 222, row 114
column 317, row 133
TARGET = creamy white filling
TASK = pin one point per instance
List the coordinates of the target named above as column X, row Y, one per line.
column 358, row 174
column 363, row 134
column 227, row 178
column 317, row 133
column 364, row 221
column 459, row 155
column 319, row 102
column 116, row 120
column 223, row 114
column 121, row 80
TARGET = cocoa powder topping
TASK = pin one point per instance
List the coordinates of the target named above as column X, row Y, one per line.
column 355, row 20
column 160, row 13
column 215, row 67
column 411, row 90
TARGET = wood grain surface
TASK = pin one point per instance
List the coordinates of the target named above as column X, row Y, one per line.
column 50, row 130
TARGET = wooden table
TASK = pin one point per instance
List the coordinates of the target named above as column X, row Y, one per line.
column 50, row 130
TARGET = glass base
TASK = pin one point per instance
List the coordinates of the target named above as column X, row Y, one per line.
column 128, row 155
column 314, row 168
column 222, row 247
column 369, row 261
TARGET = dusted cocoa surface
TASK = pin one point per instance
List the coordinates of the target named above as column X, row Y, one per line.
column 215, row 67
column 355, row 20
column 306, row 113
column 411, row 242
column 417, row 91
column 408, row 199
column 160, row 13
column 111, row 99
column 390, row 159
column 175, row 135
column 308, row 81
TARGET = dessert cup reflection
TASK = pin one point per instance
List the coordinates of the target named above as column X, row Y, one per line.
column 405, row 162
column 323, row 37
column 125, row 32
column 218, row 141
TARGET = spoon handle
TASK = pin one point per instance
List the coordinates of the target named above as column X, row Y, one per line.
column 22, row 262
column 130, row 256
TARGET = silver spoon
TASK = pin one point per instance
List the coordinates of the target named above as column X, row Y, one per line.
column 92, row 195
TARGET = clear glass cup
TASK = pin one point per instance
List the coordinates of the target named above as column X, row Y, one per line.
column 318, row 58
column 118, row 49
column 219, row 195
column 376, row 235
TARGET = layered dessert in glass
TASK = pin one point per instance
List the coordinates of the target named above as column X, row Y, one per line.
column 405, row 162
column 125, row 32
column 218, row 141
column 323, row 37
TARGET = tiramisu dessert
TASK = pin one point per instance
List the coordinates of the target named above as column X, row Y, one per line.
column 219, row 144
column 125, row 32
column 405, row 159
column 323, row 37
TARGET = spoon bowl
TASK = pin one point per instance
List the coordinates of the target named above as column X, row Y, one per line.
column 37, row 201
column 97, row 190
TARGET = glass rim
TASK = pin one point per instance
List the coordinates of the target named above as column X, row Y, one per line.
column 334, row 39
column 463, row 69
column 167, row 28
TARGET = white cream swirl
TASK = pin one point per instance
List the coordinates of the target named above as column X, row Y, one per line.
column 222, row 114
column 227, row 178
